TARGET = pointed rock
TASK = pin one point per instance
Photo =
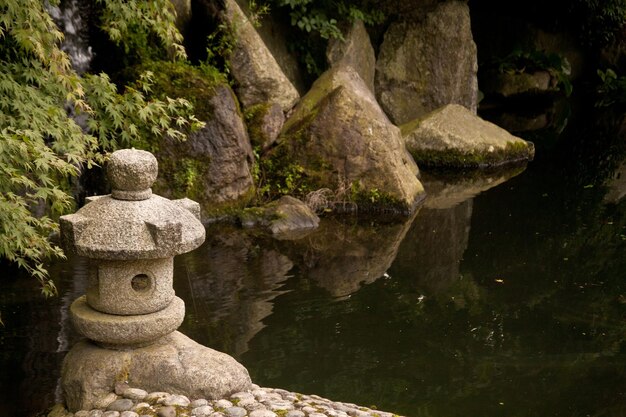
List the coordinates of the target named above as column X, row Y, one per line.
column 453, row 136
column 355, row 50
column 259, row 77
column 341, row 137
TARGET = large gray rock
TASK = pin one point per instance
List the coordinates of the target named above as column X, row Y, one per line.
column 426, row 61
column 213, row 166
column 453, row 136
column 276, row 32
column 259, row 77
column 356, row 51
column 340, row 137
column 175, row 364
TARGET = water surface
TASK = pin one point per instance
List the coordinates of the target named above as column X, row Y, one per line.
column 500, row 297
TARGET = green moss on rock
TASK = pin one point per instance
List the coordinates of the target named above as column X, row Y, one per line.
column 454, row 158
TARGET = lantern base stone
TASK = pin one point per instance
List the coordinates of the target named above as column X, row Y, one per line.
column 174, row 364
column 122, row 332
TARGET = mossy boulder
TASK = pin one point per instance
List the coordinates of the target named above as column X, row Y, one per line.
column 257, row 73
column 264, row 122
column 213, row 166
column 355, row 50
column 454, row 137
column 427, row 59
column 339, row 137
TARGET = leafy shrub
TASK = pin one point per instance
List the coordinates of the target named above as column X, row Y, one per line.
column 612, row 89
column 41, row 98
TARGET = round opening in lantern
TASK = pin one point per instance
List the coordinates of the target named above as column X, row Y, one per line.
column 141, row 283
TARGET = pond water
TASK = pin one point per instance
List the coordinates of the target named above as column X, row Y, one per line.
column 505, row 295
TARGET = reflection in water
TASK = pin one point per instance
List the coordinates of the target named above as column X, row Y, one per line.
column 228, row 285
column 342, row 257
column 512, row 302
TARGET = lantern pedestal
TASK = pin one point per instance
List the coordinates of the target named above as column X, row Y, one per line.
column 175, row 364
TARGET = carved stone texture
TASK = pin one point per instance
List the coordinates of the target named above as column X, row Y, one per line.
column 118, row 332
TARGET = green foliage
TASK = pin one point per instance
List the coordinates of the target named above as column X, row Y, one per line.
column 142, row 26
column 41, row 145
column 520, row 61
column 257, row 12
column 320, row 21
column 602, row 21
column 220, row 45
column 274, row 178
column 612, row 90
column 132, row 119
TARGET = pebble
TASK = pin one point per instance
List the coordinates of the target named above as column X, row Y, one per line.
column 123, row 404
column 242, row 396
column 140, row 407
column 166, row 411
column 202, row 411
column 223, row 404
column 105, row 401
column 259, row 402
column 262, row 413
column 253, row 406
column 198, row 403
column 135, row 394
column 235, row 412
column 246, row 401
column 156, row 397
column 179, row 400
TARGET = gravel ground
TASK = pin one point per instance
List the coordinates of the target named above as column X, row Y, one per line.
column 258, row 402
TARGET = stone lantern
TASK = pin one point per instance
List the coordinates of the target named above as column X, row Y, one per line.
column 130, row 312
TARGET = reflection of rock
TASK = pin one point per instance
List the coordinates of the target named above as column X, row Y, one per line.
column 233, row 286
column 447, row 192
column 435, row 245
column 617, row 184
column 341, row 257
